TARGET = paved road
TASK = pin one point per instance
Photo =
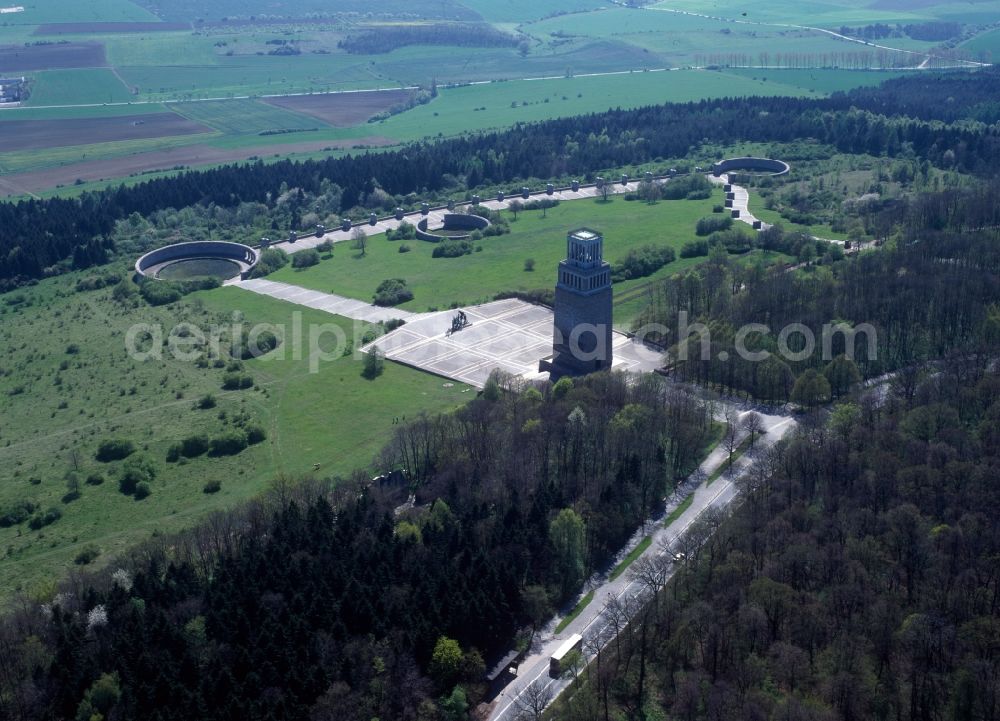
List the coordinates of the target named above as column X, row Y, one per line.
column 593, row 624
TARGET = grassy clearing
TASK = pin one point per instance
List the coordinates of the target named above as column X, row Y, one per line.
column 441, row 282
column 631, row 557
column 679, row 511
column 69, row 383
column 78, row 86
column 577, row 610
column 807, row 12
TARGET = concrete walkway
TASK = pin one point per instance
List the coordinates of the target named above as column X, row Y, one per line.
column 336, row 304
column 741, row 202
column 436, row 217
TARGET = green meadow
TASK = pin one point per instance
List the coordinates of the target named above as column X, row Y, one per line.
column 500, row 265
column 68, row 383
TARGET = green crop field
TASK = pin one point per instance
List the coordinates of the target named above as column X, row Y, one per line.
column 246, row 117
column 68, row 383
column 812, row 13
column 441, row 282
column 516, row 11
column 78, row 86
column 506, row 103
column 26, row 112
column 818, row 81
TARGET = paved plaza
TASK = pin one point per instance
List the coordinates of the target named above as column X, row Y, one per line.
column 508, row 334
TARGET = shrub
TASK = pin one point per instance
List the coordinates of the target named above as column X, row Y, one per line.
column 686, row 186
column 393, row 324
column 87, row 555
column 733, row 240
column 404, row 248
column 270, row 260
column 529, row 264
column 17, row 513
column 212, row 487
column 159, row 292
column 694, row 249
column 305, row 258
column 205, row 402
column 95, row 479
column 641, row 262
column 325, row 247
column 236, row 381
column 142, row 490
column 263, row 343
column 452, row 249
column 194, row 446
column 137, row 469
column 405, row 231
column 173, row 453
column 709, row 225
column 374, row 364
column 114, row 449
column 392, row 292
column 255, row 435
column 40, row 520
column 228, row 444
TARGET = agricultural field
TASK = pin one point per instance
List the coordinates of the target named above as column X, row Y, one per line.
column 79, row 86
column 38, row 134
column 246, row 117
column 500, row 266
column 70, row 384
column 342, row 110
column 591, row 54
column 18, row 58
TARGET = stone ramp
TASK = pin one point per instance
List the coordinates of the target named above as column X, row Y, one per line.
column 336, row 304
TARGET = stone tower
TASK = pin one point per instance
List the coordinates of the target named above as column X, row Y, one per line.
column 582, row 334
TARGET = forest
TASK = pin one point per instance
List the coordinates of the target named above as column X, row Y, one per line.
column 857, row 580
column 931, row 294
column 44, row 237
column 321, row 601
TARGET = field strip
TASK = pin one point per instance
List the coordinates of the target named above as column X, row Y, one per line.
column 831, row 33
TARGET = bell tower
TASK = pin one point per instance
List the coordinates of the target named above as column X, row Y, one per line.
column 582, row 333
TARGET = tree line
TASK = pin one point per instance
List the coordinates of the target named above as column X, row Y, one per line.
column 42, row 237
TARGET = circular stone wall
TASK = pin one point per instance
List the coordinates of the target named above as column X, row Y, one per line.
column 198, row 258
column 759, row 165
column 453, row 221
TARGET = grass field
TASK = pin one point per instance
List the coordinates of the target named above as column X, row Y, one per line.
column 246, row 117
column 69, row 383
column 78, row 86
column 441, row 282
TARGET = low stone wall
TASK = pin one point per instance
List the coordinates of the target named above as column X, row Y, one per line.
column 453, row 221
column 760, row 165
column 244, row 255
